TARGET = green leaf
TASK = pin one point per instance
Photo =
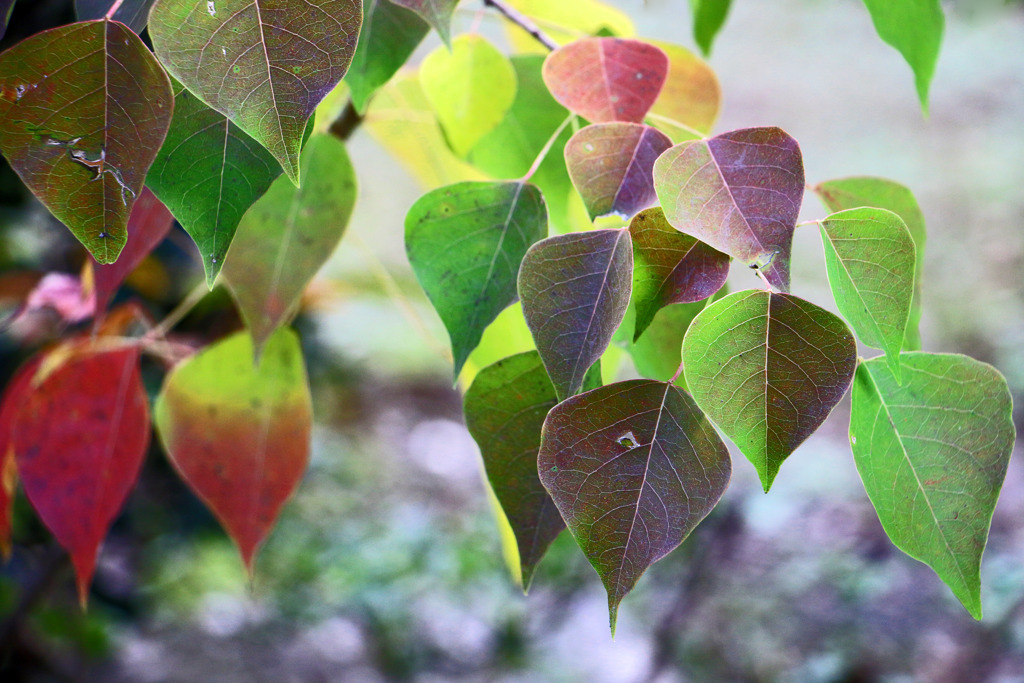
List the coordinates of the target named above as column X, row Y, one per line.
column 288, row 234
column 132, row 13
column 239, row 433
column 437, row 13
column 768, row 369
column 670, row 267
column 708, row 19
column 575, row 290
column 84, row 109
column 869, row 254
column 388, row 38
column 465, row 243
column 691, row 95
column 933, row 454
column 265, row 64
column 633, row 467
column 740, row 192
column 611, row 166
column 470, row 88
column 914, row 27
column 208, row 174
column 850, row 193
column 607, row 79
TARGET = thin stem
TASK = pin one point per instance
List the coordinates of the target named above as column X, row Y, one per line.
column 346, row 123
column 814, row 222
column 547, row 148
column 179, row 312
column 678, row 124
column 760, row 274
column 522, row 22
column 113, row 8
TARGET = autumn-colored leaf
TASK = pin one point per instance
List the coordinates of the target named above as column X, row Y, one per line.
column 389, row 35
column 15, row 395
column 437, row 13
column 607, row 79
column 633, row 467
column 132, row 13
column 740, row 192
column 691, row 95
column 84, row 109
column 611, row 165
column 238, row 433
column 265, row 64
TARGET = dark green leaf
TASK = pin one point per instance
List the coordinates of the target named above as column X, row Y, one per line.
column 132, row 13
column 708, row 19
column 933, row 454
column 389, row 35
column 437, row 13
column 914, row 27
column 768, row 369
column 633, row 467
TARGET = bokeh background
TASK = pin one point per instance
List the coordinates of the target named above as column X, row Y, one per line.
column 387, row 564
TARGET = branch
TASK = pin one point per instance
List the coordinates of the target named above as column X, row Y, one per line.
column 522, row 22
column 346, row 123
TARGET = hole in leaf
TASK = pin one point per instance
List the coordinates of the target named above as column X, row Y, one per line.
column 627, row 440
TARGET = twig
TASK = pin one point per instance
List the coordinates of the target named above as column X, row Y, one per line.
column 113, row 8
column 346, row 123
column 522, row 22
column 180, row 311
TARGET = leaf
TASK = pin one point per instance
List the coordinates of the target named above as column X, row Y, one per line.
column 84, row 109
column 80, row 437
column 633, row 467
column 575, row 289
column 670, row 267
column 470, row 88
column 265, row 64
column 933, row 454
column 691, row 95
column 708, row 19
column 611, row 165
column 850, row 193
column 465, row 243
column 566, row 20
column 238, row 433
column 607, row 79
column 132, row 13
column 208, row 173
column 287, row 235
column 437, row 13
column 148, row 224
column 389, row 35
column 658, row 353
column 768, row 369
column 914, row 27
column 740, row 192
column 6, row 7
column 870, row 257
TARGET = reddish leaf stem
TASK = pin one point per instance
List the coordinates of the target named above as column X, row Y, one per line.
column 113, row 8
column 522, row 22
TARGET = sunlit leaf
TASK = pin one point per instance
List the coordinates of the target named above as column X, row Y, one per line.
column 575, row 289
column 469, row 87
column 15, row 395
column 607, row 79
column 633, row 467
column 566, row 20
column 691, row 95
column 611, row 166
column 437, row 13
column 708, row 19
column 388, row 37
column 288, row 234
column 83, row 110
column 133, row 13
column 149, row 223
column 238, row 433
column 80, row 437
column 914, row 27
column 933, row 454
column 670, row 267
column 740, row 192
column 465, row 243
column 768, row 369
column 265, row 64
column 869, row 254
column 850, row 193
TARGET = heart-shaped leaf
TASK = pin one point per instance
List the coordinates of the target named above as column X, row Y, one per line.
column 740, row 192
column 870, row 258
column 611, row 165
column 208, row 173
column 238, row 433
column 15, row 395
column 708, row 19
column 850, row 193
column 465, row 243
column 148, row 224
column 691, row 95
column 768, row 369
column 670, row 267
column 265, row 64
column 933, row 454
column 633, row 467
column 83, row 110
column 288, row 234
column 914, row 27
column 437, row 13
column 470, row 88
column 132, row 13
column 607, row 79
column 575, row 289
column 79, row 440
column 389, row 35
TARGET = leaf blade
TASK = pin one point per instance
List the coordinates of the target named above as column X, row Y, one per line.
column 389, row 35
column 914, row 28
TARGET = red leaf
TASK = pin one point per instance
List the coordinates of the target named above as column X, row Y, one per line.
column 13, row 399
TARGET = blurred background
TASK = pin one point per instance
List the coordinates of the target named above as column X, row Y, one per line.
column 387, row 564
